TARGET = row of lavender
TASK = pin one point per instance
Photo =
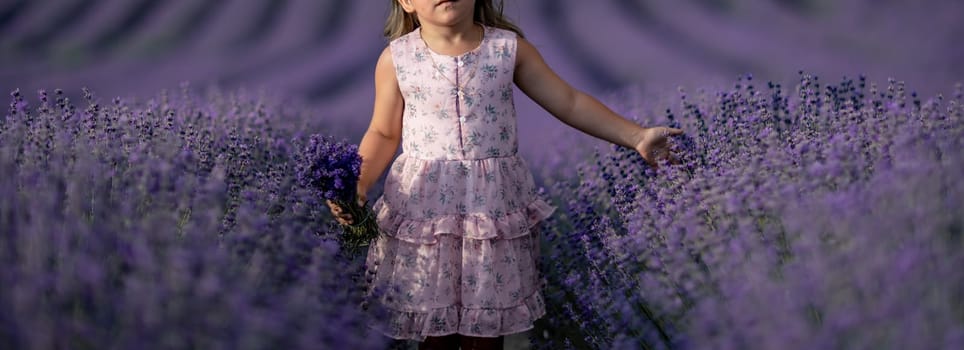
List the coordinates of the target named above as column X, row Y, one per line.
column 172, row 223
column 829, row 216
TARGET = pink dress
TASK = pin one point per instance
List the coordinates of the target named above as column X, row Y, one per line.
column 459, row 246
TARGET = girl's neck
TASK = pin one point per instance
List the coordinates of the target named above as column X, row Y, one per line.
column 457, row 38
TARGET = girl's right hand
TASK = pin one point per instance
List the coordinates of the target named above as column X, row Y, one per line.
column 341, row 214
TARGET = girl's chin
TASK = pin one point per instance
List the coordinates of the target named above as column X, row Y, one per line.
column 450, row 18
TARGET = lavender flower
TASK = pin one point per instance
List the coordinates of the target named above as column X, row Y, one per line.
column 330, row 170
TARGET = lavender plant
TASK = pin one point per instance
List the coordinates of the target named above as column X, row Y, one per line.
column 176, row 222
column 827, row 218
column 330, row 169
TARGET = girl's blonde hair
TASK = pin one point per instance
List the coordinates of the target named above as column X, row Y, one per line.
column 486, row 13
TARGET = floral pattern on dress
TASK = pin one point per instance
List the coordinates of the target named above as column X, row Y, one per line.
column 482, row 288
column 460, row 210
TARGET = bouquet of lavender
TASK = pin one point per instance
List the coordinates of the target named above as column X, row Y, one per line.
column 330, row 169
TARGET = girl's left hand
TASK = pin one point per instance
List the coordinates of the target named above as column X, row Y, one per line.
column 652, row 145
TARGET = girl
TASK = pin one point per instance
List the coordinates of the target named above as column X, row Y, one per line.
column 456, row 261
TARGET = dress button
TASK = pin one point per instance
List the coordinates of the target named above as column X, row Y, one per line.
column 461, row 63
column 462, row 119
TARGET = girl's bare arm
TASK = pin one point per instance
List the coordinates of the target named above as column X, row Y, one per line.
column 571, row 106
column 384, row 134
column 583, row 112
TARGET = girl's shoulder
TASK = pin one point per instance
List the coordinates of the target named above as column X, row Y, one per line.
column 404, row 45
column 414, row 34
column 496, row 34
column 501, row 33
column 501, row 43
column 404, row 39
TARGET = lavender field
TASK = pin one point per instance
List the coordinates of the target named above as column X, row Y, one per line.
column 148, row 154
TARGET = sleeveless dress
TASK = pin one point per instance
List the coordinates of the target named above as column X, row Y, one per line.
column 459, row 246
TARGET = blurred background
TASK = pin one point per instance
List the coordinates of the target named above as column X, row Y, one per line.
column 323, row 52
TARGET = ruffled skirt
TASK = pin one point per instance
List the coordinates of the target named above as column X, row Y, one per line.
column 463, row 257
